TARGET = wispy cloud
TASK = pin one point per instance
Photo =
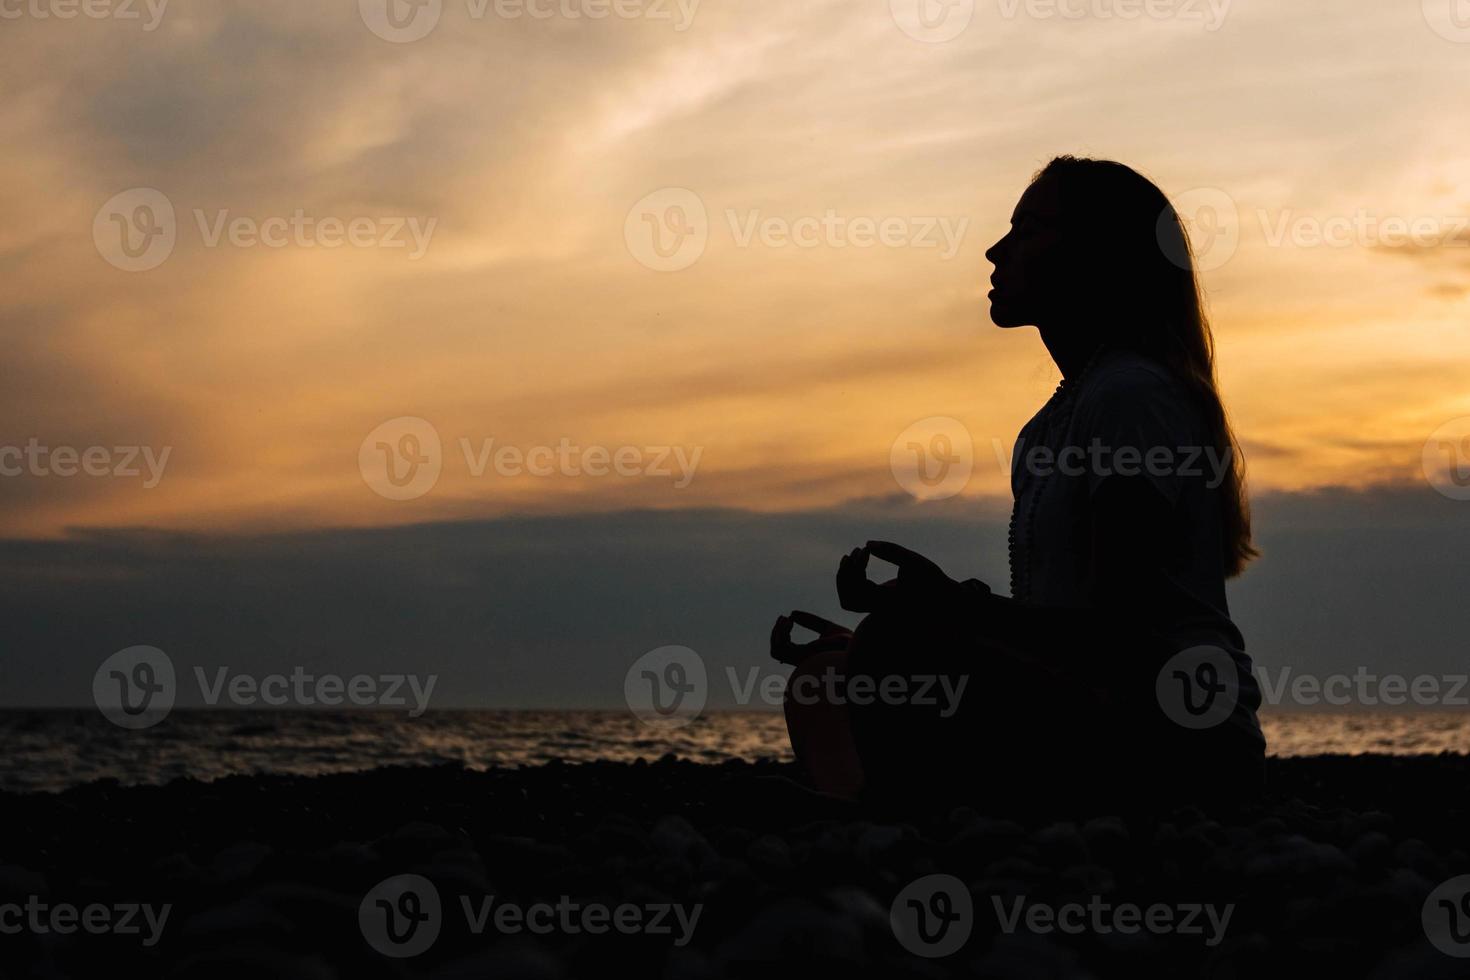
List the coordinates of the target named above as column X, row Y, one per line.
column 529, row 319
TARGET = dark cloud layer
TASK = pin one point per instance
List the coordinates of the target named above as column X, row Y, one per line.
column 551, row 611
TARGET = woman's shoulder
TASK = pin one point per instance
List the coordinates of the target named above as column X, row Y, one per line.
column 1128, row 396
column 1128, row 372
column 1127, row 383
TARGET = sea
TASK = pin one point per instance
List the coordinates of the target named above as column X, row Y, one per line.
column 51, row 750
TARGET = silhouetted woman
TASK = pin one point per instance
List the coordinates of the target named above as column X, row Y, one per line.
column 1113, row 673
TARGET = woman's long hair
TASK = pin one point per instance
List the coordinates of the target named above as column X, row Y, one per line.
column 1138, row 282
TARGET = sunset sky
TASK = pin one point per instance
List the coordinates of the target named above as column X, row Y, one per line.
column 529, row 318
column 837, row 170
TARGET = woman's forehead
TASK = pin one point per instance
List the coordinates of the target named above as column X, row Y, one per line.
column 1041, row 200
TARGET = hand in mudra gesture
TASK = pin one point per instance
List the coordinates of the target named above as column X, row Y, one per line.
column 918, row 579
column 830, row 636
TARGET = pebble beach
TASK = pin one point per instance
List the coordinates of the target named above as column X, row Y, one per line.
column 726, row 870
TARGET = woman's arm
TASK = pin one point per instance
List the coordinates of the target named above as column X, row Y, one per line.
column 1128, row 588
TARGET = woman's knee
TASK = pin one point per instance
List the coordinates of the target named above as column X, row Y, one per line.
column 896, row 643
column 816, row 682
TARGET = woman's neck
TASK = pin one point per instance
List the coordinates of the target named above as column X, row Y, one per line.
column 1071, row 349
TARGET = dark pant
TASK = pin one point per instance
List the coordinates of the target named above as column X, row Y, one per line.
column 1023, row 736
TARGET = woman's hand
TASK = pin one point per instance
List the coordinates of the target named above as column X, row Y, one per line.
column 830, row 636
column 855, row 592
column 919, row 579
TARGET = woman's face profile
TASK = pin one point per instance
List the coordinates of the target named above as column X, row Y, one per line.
column 1028, row 260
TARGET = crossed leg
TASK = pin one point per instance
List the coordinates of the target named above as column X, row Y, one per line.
column 820, row 726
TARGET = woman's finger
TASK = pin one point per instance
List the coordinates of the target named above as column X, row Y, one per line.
column 814, row 622
column 895, row 554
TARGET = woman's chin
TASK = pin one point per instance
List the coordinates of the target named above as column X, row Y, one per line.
column 1003, row 318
